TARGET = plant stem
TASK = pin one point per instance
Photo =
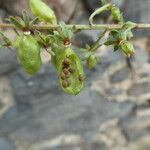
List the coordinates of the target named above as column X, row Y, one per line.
column 79, row 27
column 96, row 44
column 98, row 11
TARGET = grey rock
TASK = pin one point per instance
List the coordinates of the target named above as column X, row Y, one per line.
column 142, row 144
column 8, row 61
column 6, row 144
column 2, row 14
column 43, row 111
column 120, row 75
column 139, row 89
column 136, row 127
column 82, row 39
column 63, row 9
column 6, row 97
column 137, row 11
column 92, row 5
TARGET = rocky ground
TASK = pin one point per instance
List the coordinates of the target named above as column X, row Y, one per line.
column 113, row 111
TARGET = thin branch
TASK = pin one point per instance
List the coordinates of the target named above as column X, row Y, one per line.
column 98, row 11
column 79, row 27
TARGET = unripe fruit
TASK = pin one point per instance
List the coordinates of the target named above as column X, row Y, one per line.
column 127, row 48
column 29, row 54
column 41, row 10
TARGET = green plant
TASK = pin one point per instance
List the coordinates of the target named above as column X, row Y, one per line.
column 56, row 39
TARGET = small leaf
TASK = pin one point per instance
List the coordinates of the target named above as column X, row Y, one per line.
column 67, row 32
column 130, row 35
column 87, row 47
column 126, row 33
column 129, row 25
column 116, row 47
column 114, row 32
column 5, row 39
column 104, row 2
column 34, row 21
column 109, row 42
column 16, row 22
column 26, row 18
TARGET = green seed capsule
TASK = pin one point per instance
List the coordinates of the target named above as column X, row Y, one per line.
column 41, row 10
column 29, row 54
column 74, row 85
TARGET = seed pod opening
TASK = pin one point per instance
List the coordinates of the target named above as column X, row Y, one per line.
column 72, row 72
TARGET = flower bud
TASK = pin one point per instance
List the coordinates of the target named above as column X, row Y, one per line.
column 92, row 61
column 127, row 48
column 116, row 13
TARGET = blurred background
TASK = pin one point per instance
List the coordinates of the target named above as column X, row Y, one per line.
column 111, row 113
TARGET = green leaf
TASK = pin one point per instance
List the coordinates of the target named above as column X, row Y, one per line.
column 109, row 42
column 114, row 32
column 18, row 23
column 125, row 32
column 26, row 18
column 129, row 25
column 5, row 39
column 116, row 47
column 34, row 21
column 66, row 31
column 104, row 2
